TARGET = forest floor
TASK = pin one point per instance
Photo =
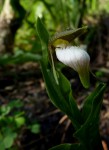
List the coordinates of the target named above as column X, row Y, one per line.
column 25, row 82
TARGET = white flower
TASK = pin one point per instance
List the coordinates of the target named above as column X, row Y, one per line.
column 76, row 58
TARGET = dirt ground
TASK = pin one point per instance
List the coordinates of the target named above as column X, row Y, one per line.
column 26, row 83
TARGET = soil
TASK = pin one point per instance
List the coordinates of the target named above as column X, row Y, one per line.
column 25, row 82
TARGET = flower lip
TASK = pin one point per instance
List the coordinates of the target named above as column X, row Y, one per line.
column 76, row 58
column 73, row 56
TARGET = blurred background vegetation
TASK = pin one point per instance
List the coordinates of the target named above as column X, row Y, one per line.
column 20, row 52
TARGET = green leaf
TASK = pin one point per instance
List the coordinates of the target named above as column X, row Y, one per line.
column 67, row 147
column 25, row 57
column 92, row 100
column 53, row 89
column 2, row 146
column 44, row 37
column 64, row 85
column 15, row 104
column 42, row 32
column 66, row 91
column 20, row 121
column 76, row 115
column 91, row 125
column 60, row 95
column 19, row 58
column 5, row 110
column 9, row 140
column 35, row 128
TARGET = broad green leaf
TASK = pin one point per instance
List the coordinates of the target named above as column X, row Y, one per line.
column 53, row 89
column 88, row 134
column 35, row 128
column 42, row 32
column 19, row 59
column 64, row 85
column 60, row 95
column 94, row 97
column 25, row 57
column 16, row 103
column 44, row 37
column 9, row 139
column 68, row 147
column 66, row 90
column 2, row 146
column 20, row 121
column 5, row 110
column 76, row 115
